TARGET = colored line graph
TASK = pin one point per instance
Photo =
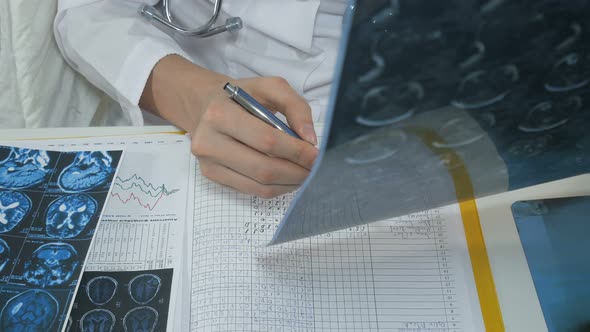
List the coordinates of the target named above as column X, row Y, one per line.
column 136, row 189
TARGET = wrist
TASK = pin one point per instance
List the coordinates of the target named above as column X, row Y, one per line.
column 178, row 91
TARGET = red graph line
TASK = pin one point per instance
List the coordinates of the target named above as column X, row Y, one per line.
column 132, row 196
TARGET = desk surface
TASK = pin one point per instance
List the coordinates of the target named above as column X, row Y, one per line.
column 516, row 292
column 520, row 308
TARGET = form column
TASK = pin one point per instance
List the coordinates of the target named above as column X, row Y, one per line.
column 446, row 267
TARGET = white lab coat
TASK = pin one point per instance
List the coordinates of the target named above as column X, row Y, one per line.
column 109, row 43
column 37, row 87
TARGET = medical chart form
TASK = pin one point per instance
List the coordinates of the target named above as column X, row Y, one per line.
column 411, row 273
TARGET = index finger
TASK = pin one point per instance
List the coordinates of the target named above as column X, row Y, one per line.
column 281, row 97
column 266, row 139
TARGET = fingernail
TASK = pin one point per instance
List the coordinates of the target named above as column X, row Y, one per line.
column 309, row 134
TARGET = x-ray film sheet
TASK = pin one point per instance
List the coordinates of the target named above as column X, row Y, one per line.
column 50, row 206
column 439, row 102
column 123, row 301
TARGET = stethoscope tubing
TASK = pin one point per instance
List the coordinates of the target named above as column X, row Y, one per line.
column 206, row 30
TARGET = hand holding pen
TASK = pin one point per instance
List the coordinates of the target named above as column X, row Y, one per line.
column 233, row 147
column 257, row 109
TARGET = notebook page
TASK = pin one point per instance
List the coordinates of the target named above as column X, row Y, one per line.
column 406, row 274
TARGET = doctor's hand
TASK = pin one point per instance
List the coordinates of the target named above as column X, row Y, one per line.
column 235, row 148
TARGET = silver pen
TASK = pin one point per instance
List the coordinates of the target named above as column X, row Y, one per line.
column 255, row 108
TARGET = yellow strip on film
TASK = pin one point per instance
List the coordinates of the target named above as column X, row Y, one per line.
column 482, row 272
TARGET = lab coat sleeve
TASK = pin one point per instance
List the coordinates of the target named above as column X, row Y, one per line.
column 112, row 46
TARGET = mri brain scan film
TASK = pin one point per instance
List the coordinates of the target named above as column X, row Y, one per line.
column 68, row 216
column 52, row 264
column 105, row 291
column 144, row 288
column 87, row 171
column 142, row 319
column 32, row 310
column 24, row 168
column 4, row 254
column 97, row 320
column 101, row 290
column 46, row 228
column 494, row 94
column 14, row 206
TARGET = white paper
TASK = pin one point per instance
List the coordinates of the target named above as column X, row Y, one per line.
column 410, row 274
column 406, row 274
column 141, row 231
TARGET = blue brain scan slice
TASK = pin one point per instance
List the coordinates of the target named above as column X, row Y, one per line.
column 97, row 320
column 23, row 168
column 4, row 254
column 142, row 319
column 101, row 290
column 31, row 311
column 68, row 215
column 144, row 288
column 52, row 264
column 14, row 206
column 89, row 169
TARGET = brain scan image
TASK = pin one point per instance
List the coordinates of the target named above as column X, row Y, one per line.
column 385, row 105
column 549, row 115
column 87, row 171
column 375, row 147
column 14, row 206
column 4, row 254
column 68, row 215
column 142, row 319
column 31, row 311
column 458, row 132
column 52, row 264
column 23, row 168
column 101, row 290
column 483, row 88
column 570, row 72
column 144, row 288
column 97, row 320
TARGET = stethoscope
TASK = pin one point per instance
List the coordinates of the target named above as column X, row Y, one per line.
column 206, row 30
